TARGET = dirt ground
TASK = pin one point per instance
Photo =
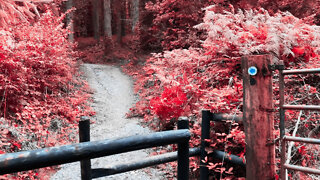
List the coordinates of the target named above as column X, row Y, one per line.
column 112, row 99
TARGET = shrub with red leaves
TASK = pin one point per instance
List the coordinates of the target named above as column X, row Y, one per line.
column 41, row 95
column 170, row 104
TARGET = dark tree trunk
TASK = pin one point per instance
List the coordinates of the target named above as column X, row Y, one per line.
column 119, row 10
column 95, row 16
column 69, row 5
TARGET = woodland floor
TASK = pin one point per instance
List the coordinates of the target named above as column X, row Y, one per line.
column 112, row 98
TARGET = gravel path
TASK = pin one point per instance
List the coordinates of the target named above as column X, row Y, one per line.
column 112, row 99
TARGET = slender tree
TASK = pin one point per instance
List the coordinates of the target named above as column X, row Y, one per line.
column 69, row 5
column 107, row 26
column 107, row 18
column 119, row 19
column 135, row 14
column 95, row 16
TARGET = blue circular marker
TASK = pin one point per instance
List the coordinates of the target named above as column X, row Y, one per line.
column 252, row 71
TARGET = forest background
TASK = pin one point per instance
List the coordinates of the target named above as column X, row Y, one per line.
column 184, row 56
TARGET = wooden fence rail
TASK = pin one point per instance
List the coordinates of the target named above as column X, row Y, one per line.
column 84, row 151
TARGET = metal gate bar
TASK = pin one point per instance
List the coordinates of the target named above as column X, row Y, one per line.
column 295, row 167
column 301, row 71
column 300, row 139
column 302, row 107
column 284, row 165
column 303, row 169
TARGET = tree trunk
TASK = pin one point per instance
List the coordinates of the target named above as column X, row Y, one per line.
column 119, row 12
column 95, row 16
column 107, row 18
column 69, row 5
column 107, row 27
column 135, row 14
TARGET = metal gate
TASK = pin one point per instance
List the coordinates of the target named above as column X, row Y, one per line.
column 285, row 165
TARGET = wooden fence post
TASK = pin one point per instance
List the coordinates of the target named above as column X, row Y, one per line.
column 258, row 117
column 84, row 136
column 205, row 134
column 183, row 152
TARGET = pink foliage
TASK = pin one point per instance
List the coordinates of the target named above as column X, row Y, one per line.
column 41, row 95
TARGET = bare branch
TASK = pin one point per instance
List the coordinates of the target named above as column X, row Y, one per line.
column 293, row 134
column 35, row 1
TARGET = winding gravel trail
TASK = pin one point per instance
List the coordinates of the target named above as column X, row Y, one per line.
column 112, row 99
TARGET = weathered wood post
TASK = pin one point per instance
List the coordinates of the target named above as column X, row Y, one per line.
column 84, row 136
column 258, row 117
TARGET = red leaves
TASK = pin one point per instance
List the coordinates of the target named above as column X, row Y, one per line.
column 298, row 51
column 302, row 150
column 305, row 52
column 15, row 144
column 150, row 71
column 313, row 90
column 170, row 104
column 2, row 57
